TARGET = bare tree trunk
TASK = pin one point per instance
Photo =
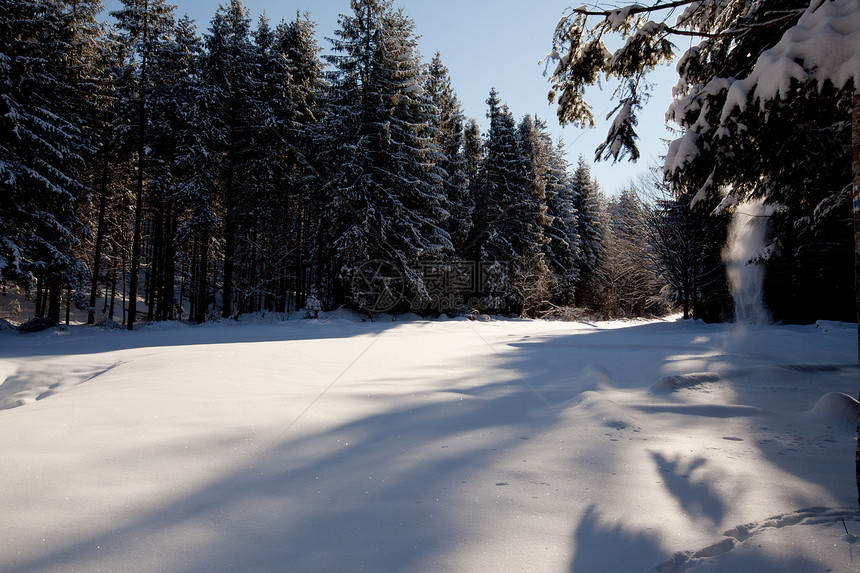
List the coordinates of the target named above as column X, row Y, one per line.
column 855, row 158
column 202, row 296
column 138, row 208
column 100, row 235
column 55, row 297
column 40, row 284
column 229, row 238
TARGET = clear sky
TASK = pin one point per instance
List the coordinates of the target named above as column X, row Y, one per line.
column 485, row 44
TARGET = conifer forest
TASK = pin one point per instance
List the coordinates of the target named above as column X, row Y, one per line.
column 151, row 171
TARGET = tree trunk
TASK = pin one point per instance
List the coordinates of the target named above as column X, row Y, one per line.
column 55, row 297
column 169, row 266
column 138, row 210
column 855, row 158
column 135, row 245
column 114, row 280
column 155, row 257
column 100, row 234
column 202, row 296
column 40, row 284
column 229, row 241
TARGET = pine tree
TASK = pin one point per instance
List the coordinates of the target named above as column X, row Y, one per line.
column 591, row 230
column 111, row 63
column 194, row 171
column 387, row 196
column 563, row 243
column 307, row 89
column 229, row 73
column 42, row 148
column 532, row 212
column 145, row 25
column 501, row 234
column 173, row 122
column 763, row 110
column 502, row 180
column 449, row 129
column 473, row 151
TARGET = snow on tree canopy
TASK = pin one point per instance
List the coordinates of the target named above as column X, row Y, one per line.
column 823, row 46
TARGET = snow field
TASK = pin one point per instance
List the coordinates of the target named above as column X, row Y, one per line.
column 336, row 445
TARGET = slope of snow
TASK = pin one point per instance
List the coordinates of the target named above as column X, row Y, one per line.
column 338, row 445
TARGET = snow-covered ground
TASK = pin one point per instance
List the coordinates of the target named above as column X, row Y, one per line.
column 337, row 445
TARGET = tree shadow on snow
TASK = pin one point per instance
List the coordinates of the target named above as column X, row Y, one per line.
column 692, row 493
column 81, row 340
column 601, row 544
column 382, row 493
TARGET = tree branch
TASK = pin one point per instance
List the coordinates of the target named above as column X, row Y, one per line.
column 635, row 9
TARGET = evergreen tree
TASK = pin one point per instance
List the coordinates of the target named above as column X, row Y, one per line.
column 449, row 129
column 195, row 171
column 112, row 65
column 300, row 133
column 145, row 26
column 502, row 182
column 591, row 230
column 229, row 74
column 532, row 212
column 473, row 151
column 509, row 211
column 387, row 201
column 763, row 110
column 42, row 148
column 562, row 248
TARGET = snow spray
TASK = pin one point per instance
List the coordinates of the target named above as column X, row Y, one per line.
column 746, row 242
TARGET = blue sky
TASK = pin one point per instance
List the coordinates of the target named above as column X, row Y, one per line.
column 485, row 44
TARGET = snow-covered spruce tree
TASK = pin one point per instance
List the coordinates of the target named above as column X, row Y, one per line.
column 83, row 69
column 175, row 128
column 229, row 74
column 591, row 228
column 449, row 137
column 42, row 148
column 562, row 249
column 194, row 171
column 536, row 147
column 756, row 64
column 110, row 63
column 500, row 233
column 296, row 42
column 144, row 27
column 809, row 273
column 386, row 197
column 264, row 237
column 473, row 152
